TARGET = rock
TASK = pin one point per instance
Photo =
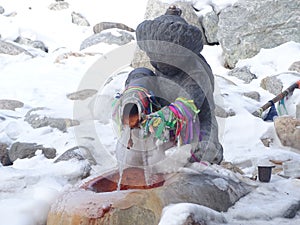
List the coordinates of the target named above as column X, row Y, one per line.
column 35, row 44
column 295, row 67
column 210, row 26
column 1, row 10
column 99, row 27
column 59, row 5
column 250, row 25
column 157, row 8
column 272, row 84
column 75, row 153
column 79, row 19
column 4, row 158
column 144, row 207
column 20, row 150
column 292, row 210
column 118, row 37
column 8, row 104
column 82, row 94
column 11, row 49
column 288, row 130
column 243, row 73
column 70, row 154
column 194, row 215
column 298, row 111
column 267, row 141
column 36, row 121
column 253, row 95
column 222, row 113
column 231, row 167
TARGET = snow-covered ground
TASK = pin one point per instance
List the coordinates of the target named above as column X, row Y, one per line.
column 29, row 186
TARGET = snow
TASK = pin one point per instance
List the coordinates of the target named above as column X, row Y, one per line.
column 30, row 186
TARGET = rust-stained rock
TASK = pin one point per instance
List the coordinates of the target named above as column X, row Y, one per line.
column 83, row 206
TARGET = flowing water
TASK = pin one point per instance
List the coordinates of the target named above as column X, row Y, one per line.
column 134, row 150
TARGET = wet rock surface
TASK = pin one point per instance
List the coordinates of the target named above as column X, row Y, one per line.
column 144, row 207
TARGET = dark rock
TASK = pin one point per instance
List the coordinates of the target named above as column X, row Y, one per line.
column 35, row 44
column 109, row 25
column 73, row 153
column 243, row 73
column 59, row 5
column 272, row 84
column 8, row 104
column 292, row 210
column 1, row 10
column 79, row 19
column 4, row 158
column 20, row 150
column 82, row 94
column 37, row 121
column 253, row 95
column 107, row 37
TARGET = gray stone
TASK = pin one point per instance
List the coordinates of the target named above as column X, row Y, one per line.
column 1, row 10
column 75, row 153
column 109, row 25
column 298, row 111
column 20, row 150
column 243, row 73
column 250, row 25
column 11, row 49
column 4, row 158
column 59, row 5
column 267, row 141
column 35, row 44
column 37, row 120
column 82, row 94
column 210, row 26
column 8, row 104
column 222, row 113
column 253, row 95
column 107, row 37
column 272, row 84
column 79, row 19
column 288, row 130
column 295, row 67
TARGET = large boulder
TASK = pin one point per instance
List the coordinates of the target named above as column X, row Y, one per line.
column 144, row 207
column 250, row 25
column 288, row 131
